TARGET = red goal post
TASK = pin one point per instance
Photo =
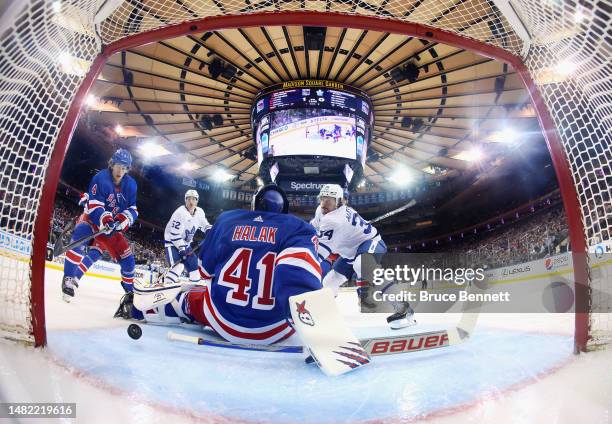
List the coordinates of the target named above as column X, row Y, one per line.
column 38, row 120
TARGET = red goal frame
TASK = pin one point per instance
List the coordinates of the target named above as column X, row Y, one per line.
column 326, row 19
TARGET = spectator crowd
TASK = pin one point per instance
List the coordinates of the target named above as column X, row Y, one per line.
column 538, row 236
column 147, row 243
column 542, row 234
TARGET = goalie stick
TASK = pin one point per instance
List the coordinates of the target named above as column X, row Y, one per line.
column 375, row 346
column 222, row 343
column 394, row 211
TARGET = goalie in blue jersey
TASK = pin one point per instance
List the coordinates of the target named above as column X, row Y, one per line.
column 251, row 262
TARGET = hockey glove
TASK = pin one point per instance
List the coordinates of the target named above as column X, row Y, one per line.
column 84, row 200
column 123, row 221
column 187, row 251
column 108, row 224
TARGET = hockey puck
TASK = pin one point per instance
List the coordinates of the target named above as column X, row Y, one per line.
column 134, row 331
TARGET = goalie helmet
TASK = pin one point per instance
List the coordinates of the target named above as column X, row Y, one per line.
column 192, row 193
column 270, row 198
column 331, row 190
column 122, row 157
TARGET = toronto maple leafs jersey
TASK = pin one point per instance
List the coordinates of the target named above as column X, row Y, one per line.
column 107, row 198
column 253, row 261
column 341, row 231
column 316, row 221
column 183, row 225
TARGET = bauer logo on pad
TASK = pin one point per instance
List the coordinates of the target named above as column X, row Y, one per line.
column 304, row 315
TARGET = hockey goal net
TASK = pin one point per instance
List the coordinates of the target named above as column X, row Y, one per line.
column 52, row 51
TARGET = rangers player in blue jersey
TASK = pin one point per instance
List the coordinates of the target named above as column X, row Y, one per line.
column 111, row 207
column 251, row 263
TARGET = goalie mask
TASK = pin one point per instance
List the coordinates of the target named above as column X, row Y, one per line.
column 270, row 198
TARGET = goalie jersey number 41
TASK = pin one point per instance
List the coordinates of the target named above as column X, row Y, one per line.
column 254, row 261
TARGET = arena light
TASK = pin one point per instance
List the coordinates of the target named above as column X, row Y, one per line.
column 71, row 65
column 222, row 175
column 362, row 183
column 402, row 176
column 119, row 129
column 475, row 154
column 189, row 166
column 507, row 135
column 91, row 100
column 153, row 150
column 566, row 67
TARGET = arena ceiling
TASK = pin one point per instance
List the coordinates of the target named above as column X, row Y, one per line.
column 192, row 96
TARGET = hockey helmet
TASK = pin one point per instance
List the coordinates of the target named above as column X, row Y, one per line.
column 270, row 198
column 331, row 190
column 122, row 157
column 192, row 193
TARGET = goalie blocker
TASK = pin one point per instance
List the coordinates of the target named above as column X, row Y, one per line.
column 324, row 334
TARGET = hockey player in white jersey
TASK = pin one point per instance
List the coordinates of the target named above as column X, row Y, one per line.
column 316, row 221
column 180, row 229
column 342, row 231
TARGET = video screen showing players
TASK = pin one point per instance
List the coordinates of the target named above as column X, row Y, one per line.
column 312, row 131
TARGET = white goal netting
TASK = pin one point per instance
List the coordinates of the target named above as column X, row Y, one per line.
column 47, row 48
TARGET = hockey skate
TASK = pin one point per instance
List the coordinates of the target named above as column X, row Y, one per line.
column 69, row 286
column 365, row 299
column 125, row 306
column 402, row 318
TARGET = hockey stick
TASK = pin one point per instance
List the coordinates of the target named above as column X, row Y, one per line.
column 59, row 242
column 180, row 261
column 222, row 343
column 394, row 211
column 376, row 346
column 61, row 249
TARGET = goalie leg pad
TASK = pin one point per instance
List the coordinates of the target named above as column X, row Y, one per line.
column 331, row 343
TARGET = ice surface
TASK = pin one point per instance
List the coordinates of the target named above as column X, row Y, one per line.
column 515, row 368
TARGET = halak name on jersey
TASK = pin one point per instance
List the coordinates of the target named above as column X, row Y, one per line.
column 252, row 233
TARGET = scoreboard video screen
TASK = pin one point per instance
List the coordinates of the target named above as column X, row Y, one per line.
column 312, row 118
